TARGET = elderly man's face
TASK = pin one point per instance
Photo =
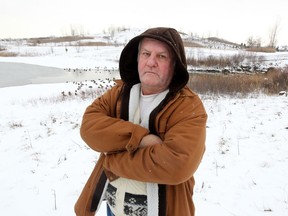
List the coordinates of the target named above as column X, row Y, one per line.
column 155, row 66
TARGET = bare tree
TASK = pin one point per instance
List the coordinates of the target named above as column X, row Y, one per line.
column 273, row 35
column 73, row 30
column 76, row 30
column 251, row 42
column 258, row 42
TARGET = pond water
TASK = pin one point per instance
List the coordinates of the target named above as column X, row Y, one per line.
column 15, row 74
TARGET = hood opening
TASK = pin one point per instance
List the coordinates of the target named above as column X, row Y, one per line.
column 128, row 64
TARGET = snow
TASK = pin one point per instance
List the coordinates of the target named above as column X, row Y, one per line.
column 244, row 170
column 45, row 164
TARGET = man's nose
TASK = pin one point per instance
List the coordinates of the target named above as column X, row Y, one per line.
column 151, row 62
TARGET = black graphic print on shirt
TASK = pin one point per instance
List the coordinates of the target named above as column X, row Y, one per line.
column 134, row 204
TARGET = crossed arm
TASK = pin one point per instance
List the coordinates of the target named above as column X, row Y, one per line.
column 134, row 153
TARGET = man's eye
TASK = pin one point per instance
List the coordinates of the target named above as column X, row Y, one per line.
column 162, row 57
column 145, row 54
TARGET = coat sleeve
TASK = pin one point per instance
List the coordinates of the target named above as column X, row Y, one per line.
column 177, row 158
column 104, row 132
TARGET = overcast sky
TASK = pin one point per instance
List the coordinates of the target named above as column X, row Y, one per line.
column 233, row 20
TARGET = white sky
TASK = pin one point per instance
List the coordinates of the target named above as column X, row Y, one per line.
column 233, row 20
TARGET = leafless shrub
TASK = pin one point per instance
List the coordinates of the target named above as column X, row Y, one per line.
column 262, row 49
column 276, row 80
column 272, row 82
column 14, row 124
column 2, row 48
column 90, row 43
column 217, row 61
column 7, row 54
column 221, row 62
column 41, row 40
column 237, row 59
column 191, row 44
column 223, row 147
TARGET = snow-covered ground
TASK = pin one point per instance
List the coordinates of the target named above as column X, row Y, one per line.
column 44, row 163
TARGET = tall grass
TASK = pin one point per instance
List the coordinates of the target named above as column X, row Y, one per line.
column 8, row 54
column 272, row 82
column 43, row 40
column 233, row 61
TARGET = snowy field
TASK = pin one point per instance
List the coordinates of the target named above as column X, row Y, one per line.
column 44, row 164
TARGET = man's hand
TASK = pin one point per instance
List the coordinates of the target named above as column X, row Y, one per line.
column 149, row 140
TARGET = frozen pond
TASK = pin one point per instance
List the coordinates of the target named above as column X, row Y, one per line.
column 15, row 74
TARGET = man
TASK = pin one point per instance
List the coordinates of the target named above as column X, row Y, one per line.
column 150, row 129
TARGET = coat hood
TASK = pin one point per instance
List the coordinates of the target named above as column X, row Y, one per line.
column 128, row 65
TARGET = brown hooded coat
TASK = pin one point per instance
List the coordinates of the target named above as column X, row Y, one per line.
column 179, row 120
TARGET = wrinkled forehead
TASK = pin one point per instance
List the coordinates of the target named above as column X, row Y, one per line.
column 147, row 42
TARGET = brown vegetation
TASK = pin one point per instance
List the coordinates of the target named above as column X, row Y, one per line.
column 191, row 44
column 220, row 40
column 90, row 43
column 35, row 41
column 261, row 49
column 7, row 54
column 225, row 61
column 272, row 82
